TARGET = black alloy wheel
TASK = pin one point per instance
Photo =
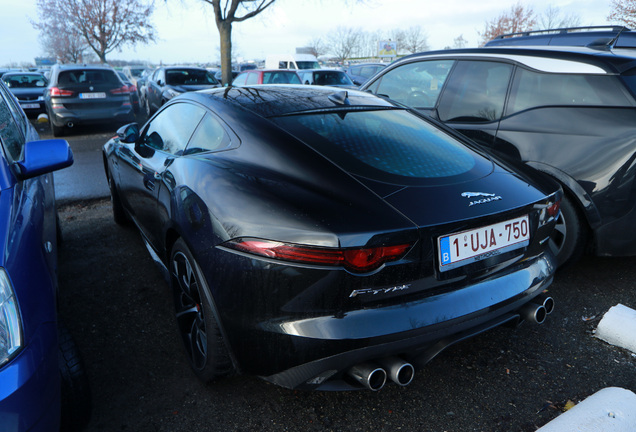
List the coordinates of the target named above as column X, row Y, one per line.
column 196, row 323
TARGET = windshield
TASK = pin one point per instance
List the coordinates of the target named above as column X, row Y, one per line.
column 24, row 81
column 307, row 65
column 189, row 77
column 392, row 146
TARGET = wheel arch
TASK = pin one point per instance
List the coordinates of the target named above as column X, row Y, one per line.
column 574, row 190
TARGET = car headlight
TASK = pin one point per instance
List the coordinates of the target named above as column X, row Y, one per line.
column 10, row 325
column 172, row 92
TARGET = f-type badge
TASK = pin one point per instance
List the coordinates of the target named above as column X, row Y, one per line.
column 486, row 197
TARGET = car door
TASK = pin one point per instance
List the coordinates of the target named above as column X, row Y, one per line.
column 154, row 88
column 473, row 99
column 143, row 165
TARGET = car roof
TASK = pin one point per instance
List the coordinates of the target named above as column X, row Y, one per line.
column 555, row 59
column 271, row 101
column 590, row 36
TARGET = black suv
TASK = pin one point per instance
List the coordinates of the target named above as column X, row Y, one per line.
column 86, row 94
column 569, row 112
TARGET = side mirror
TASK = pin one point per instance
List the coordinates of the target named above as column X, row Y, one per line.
column 44, row 156
column 129, row 133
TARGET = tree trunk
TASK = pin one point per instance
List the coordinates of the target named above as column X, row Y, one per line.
column 225, row 32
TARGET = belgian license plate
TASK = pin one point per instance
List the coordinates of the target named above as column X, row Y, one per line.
column 459, row 249
column 98, row 95
column 31, row 106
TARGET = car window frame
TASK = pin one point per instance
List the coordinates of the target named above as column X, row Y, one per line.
column 143, row 138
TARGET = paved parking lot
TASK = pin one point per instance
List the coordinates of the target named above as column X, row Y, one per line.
column 120, row 311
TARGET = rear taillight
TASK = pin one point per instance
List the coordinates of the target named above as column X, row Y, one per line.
column 553, row 210
column 120, row 90
column 56, row 91
column 359, row 260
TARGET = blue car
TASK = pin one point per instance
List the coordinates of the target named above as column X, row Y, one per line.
column 37, row 358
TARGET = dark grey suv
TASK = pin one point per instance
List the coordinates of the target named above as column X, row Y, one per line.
column 569, row 112
column 81, row 94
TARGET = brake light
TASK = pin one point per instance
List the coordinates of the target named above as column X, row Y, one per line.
column 56, row 91
column 553, row 210
column 120, row 90
column 359, row 260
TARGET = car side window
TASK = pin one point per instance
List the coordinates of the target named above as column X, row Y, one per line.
column 13, row 127
column 532, row 89
column 252, row 78
column 476, row 92
column 172, row 128
column 417, row 84
column 209, row 136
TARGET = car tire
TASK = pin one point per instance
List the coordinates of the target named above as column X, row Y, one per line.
column 119, row 214
column 569, row 237
column 76, row 395
column 196, row 321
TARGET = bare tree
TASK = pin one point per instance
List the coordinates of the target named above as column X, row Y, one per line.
column 317, row 46
column 105, row 25
column 226, row 13
column 414, row 40
column 59, row 39
column 623, row 12
column 552, row 18
column 343, row 42
column 459, row 42
column 518, row 19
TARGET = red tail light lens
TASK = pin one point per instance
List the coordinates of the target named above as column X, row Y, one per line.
column 553, row 210
column 359, row 260
column 120, row 90
column 56, row 91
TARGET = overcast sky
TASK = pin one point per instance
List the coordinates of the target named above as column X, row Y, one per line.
column 188, row 34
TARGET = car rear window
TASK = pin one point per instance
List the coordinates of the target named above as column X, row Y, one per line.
column 393, row 146
column 88, row 76
column 189, row 77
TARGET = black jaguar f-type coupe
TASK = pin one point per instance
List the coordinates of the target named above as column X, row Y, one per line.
column 329, row 239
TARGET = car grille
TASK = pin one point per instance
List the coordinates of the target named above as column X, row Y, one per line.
column 28, row 98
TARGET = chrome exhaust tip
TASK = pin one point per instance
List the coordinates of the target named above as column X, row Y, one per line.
column 399, row 371
column 369, row 375
column 533, row 312
column 70, row 124
column 546, row 301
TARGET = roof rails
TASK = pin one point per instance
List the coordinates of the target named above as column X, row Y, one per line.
column 596, row 37
column 613, row 29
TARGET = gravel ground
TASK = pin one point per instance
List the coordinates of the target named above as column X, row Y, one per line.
column 119, row 309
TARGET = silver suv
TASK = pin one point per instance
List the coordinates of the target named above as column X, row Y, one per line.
column 81, row 94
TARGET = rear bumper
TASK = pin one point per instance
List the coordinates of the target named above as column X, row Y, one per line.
column 62, row 116
column 320, row 349
column 30, row 386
